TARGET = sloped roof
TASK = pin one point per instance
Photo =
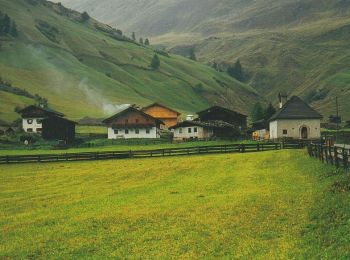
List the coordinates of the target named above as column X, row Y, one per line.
column 130, row 109
column 32, row 110
column 160, row 105
column 296, row 108
column 219, row 109
column 210, row 124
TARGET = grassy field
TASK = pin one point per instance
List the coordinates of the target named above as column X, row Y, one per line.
column 85, row 129
column 115, row 147
column 267, row 205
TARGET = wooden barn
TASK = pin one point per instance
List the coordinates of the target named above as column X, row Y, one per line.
column 167, row 115
column 217, row 113
column 51, row 125
column 133, row 123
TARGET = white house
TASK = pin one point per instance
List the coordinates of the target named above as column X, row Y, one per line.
column 50, row 124
column 199, row 130
column 295, row 119
column 33, row 116
column 132, row 123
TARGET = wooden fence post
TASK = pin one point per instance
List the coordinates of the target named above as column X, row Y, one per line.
column 336, row 158
column 7, row 159
column 345, row 159
column 258, row 147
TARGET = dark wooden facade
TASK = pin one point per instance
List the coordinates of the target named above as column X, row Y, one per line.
column 58, row 128
column 217, row 113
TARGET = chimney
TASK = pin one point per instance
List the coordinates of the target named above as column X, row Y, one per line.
column 189, row 118
column 282, row 96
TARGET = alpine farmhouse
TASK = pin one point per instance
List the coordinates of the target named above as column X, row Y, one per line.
column 212, row 122
column 296, row 120
column 50, row 124
column 198, row 130
column 132, row 123
column 167, row 115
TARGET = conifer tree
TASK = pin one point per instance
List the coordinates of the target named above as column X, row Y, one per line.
column 155, row 63
column 236, row 71
column 193, row 54
column 257, row 112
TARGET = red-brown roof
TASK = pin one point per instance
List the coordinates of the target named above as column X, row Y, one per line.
column 160, row 105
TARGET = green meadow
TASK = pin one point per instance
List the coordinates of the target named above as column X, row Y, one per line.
column 270, row 205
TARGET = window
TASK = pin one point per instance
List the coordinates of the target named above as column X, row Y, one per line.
column 116, row 131
column 189, row 130
column 29, row 130
column 126, row 131
column 180, row 131
column 285, row 132
column 39, row 121
column 39, row 130
column 30, row 121
column 148, row 131
column 137, row 131
column 195, row 130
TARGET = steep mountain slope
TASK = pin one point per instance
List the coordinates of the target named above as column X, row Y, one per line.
column 297, row 46
column 205, row 17
column 87, row 68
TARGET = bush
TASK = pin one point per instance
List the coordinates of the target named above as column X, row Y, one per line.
column 85, row 17
column 49, row 31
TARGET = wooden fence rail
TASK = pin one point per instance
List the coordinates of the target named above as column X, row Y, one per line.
column 337, row 156
column 86, row 156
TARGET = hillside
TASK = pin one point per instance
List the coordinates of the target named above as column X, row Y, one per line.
column 85, row 68
column 297, row 46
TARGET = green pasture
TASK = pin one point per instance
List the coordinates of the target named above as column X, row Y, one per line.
column 272, row 205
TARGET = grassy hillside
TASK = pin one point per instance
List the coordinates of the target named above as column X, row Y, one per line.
column 84, row 68
column 267, row 205
column 297, row 46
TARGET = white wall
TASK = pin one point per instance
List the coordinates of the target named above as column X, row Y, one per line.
column 153, row 134
column 293, row 127
column 35, row 125
column 181, row 133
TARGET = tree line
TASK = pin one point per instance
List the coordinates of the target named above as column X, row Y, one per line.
column 141, row 40
column 261, row 113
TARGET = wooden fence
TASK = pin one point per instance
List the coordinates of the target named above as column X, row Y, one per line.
column 86, row 156
column 337, row 156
